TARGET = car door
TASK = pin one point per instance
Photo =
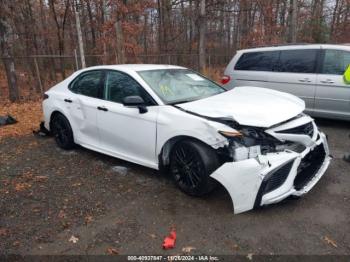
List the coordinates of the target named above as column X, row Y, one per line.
column 332, row 93
column 296, row 74
column 126, row 132
column 83, row 100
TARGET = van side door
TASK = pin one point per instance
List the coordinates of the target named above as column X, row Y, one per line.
column 332, row 93
column 296, row 74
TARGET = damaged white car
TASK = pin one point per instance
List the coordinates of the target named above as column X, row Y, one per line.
column 256, row 142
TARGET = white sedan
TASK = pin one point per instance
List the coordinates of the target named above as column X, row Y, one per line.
column 256, row 142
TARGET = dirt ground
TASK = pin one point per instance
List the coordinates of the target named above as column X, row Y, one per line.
column 50, row 198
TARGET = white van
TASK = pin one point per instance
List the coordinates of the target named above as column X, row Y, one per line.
column 313, row 72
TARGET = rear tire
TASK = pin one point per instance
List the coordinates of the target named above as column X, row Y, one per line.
column 62, row 132
column 191, row 164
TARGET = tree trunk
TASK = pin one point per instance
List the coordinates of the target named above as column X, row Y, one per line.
column 334, row 20
column 11, row 78
column 202, row 41
column 120, row 52
column 160, row 26
column 292, row 37
column 80, row 38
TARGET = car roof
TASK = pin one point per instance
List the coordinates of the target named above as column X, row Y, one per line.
column 295, row 46
column 128, row 68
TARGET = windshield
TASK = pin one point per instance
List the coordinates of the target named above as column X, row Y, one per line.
column 179, row 85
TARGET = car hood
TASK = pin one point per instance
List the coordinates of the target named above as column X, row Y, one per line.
column 251, row 106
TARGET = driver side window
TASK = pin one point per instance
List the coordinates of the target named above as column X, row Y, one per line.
column 120, row 85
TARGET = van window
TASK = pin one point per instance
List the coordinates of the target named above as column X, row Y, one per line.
column 335, row 62
column 258, row 61
column 298, row 61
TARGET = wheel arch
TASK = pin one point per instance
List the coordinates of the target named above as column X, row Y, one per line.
column 55, row 113
column 164, row 154
column 59, row 112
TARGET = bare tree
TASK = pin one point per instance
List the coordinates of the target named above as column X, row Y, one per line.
column 292, row 37
column 202, row 32
column 7, row 57
column 80, row 37
column 60, row 19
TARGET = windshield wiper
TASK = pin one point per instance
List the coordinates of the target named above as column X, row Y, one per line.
column 181, row 101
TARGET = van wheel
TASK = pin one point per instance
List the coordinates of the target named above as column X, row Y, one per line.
column 191, row 164
column 62, row 132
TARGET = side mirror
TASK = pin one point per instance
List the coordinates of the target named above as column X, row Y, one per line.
column 135, row 101
column 346, row 76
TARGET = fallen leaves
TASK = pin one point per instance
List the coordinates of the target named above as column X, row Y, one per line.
column 28, row 114
column 22, row 186
column 40, row 178
column 330, row 241
column 73, row 239
column 188, row 249
column 152, row 235
column 250, row 256
column 112, row 251
column 4, row 232
column 88, row 219
column 16, row 243
column 76, row 184
column 61, row 214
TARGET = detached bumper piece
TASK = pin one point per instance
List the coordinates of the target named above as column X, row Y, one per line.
column 307, row 169
column 42, row 131
column 270, row 178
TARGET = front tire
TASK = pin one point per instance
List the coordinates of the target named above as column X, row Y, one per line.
column 191, row 164
column 62, row 132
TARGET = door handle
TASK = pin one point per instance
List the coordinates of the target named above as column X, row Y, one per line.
column 102, row 108
column 305, row 80
column 328, row 81
column 68, row 100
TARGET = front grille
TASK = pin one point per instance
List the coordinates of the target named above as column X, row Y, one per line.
column 307, row 129
column 309, row 166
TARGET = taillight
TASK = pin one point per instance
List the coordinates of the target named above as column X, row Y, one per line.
column 225, row 79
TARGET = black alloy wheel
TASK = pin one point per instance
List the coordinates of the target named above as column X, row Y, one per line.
column 62, row 132
column 191, row 164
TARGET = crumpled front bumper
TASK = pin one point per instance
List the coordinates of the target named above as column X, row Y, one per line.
column 246, row 180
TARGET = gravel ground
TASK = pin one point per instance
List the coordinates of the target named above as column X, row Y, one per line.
column 48, row 195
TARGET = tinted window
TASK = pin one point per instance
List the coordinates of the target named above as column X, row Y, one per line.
column 88, row 84
column 120, row 85
column 298, row 61
column 335, row 62
column 258, row 61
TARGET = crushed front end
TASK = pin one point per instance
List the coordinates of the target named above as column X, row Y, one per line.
column 265, row 166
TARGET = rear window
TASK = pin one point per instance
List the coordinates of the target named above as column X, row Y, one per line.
column 88, row 84
column 335, row 62
column 298, row 61
column 258, row 61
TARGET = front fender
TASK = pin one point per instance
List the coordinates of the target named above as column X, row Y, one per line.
column 172, row 123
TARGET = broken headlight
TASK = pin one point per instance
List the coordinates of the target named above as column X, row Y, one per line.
column 249, row 142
